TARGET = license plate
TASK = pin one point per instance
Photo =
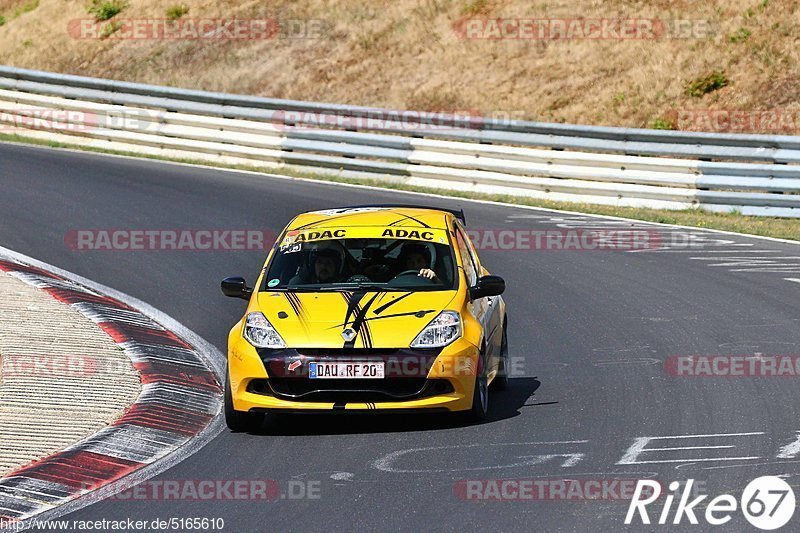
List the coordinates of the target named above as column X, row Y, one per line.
column 345, row 370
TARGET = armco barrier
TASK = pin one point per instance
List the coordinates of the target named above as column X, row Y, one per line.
column 752, row 174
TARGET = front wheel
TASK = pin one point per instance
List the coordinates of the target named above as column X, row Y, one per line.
column 500, row 381
column 480, row 398
column 239, row 421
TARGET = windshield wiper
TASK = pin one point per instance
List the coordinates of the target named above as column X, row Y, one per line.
column 357, row 288
column 345, row 288
column 361, row 288
column 381, row 288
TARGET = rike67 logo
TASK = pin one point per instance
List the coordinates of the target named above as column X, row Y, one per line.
column 767, row 503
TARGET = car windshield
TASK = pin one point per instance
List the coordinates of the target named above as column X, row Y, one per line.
column 384, row 264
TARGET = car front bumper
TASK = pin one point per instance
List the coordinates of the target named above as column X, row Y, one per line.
column 416, row 380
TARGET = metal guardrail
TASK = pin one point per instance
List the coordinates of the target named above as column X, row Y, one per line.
column 753, row 174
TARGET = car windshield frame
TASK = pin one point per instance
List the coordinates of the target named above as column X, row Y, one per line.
column 278, row 251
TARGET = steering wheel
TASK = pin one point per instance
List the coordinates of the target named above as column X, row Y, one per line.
column 407, row 273
column 358, row 278
column 397, row 280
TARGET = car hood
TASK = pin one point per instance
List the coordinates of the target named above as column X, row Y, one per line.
column 379, row 319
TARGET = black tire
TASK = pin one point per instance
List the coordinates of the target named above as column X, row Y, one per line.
column 239, row 421
column 480, row 399
column 500, row 381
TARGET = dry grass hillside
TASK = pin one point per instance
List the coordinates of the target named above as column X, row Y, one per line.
column 737, row 55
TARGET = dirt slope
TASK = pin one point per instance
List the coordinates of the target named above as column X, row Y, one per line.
column 446, row 55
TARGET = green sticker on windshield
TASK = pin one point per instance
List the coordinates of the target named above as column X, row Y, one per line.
column 273, row 282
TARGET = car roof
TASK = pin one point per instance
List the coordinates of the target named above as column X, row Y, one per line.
column 398, row 216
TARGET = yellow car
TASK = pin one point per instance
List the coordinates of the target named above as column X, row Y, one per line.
column 369, row 308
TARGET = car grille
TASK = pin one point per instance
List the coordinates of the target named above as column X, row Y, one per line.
column 356, row 352
column 350, row 390
column 401, row 364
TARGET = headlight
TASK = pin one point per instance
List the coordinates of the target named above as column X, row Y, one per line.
column 442, row 330
column 260, row 333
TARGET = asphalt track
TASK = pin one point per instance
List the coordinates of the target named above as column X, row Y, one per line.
column 592, row 331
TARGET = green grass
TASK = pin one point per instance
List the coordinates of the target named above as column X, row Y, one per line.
column 2, row 20
column 110, row 29
column 740, row 35
column 106, row 9
column 476, row 7
column 707, row 84
column 662, row 124
column 177, row 11
column 27, row 7
column 782, row 228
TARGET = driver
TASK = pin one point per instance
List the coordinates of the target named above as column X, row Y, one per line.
column 416, row 256
column 325, row 267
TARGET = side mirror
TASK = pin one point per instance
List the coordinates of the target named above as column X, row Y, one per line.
column 236, row 287
column 487, row 286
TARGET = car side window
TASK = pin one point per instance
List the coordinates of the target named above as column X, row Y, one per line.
column 472, row 252
column 470, row 268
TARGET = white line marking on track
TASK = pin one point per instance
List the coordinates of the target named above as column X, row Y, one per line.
column 691, row 448
column 385, row 463
column 720, row 467
column 757, row 260
column 640, row 444
column 709, row 459
column 769, row 270
column 626, row 362
column 790, row 451
column 696, row 251
column 707, row 436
